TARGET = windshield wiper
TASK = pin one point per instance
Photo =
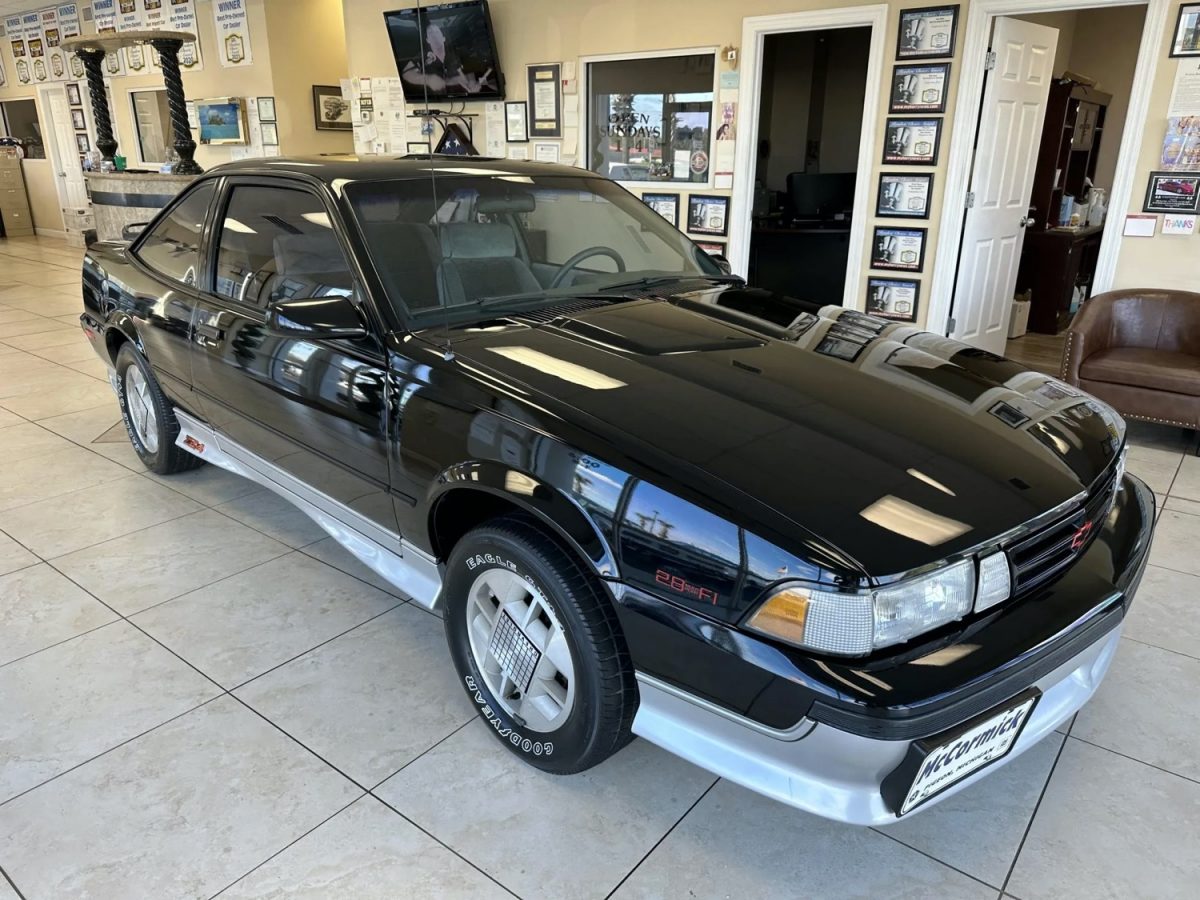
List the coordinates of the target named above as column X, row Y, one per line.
column 651, row 281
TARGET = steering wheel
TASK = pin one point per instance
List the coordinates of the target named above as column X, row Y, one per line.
column 561, row 275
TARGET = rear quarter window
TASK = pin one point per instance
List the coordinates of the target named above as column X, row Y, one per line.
column 172, row 246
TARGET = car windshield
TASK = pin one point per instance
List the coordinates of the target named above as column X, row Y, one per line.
column 456, row 246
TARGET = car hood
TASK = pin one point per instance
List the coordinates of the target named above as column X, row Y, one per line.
column 897, row 447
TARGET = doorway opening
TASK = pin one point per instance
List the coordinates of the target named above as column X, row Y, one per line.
column 809, row 132
column 1042, row 189
column 810, row 85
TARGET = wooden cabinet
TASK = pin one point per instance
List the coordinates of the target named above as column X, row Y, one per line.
column 1070, row 147
column 1052, row 264
column 1054, row 260
column 15, row 216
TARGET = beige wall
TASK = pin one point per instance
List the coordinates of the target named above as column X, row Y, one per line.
column 308, row 46
column 1101, row 44
column 1166, row 261
column 299, row 44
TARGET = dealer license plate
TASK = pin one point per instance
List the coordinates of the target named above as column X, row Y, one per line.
column 968, row 751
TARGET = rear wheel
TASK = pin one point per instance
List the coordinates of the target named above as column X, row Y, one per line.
column 149, row 417
column 536, row 643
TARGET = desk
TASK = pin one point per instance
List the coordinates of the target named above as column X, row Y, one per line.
column 807, row 262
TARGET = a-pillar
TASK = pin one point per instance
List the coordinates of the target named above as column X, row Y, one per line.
column 168, row 54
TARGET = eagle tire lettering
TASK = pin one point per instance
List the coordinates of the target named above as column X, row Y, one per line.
column 518, row 740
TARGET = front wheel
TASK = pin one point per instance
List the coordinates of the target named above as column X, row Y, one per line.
column 536, row 643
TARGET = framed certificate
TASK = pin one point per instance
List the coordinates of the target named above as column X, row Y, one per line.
column 270, row 133
column 545, row 100
column 927, row 33
column 919, row 89
column 903, row 196
column 666, row 205
column 902, row 249
column 73, row 97
column 516, row 122
column 893, row 298
column 912, row 142
column 266, row 109
column 708, row 214
column 1186, row 41
column 78, row 122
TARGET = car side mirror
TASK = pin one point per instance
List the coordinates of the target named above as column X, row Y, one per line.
column 132, row 230
column 723, row 264
column 316, row 317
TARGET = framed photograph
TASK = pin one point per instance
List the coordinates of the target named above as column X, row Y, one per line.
column 74, row 98
column 919, row 89
column 902, row 249
column 712, row 248
column 545, row 100
column 927, row 33
column 1172, row 192
column 708, row 214
column 912, row 142
column 82, row 144
column 904, row 196
column 331, row 111
column 266, row 109
column 1187, row 31
column 516, row 122
column 222, row 120
column 893, row 298
column 78, row 122
column 419, row 147
column 270, row 133
column 666, row 205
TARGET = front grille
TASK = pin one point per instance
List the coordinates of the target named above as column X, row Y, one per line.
column 1038, row 558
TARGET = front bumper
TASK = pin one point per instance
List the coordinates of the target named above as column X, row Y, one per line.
column 837, row 773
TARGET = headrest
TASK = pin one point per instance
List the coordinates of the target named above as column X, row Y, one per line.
column 308, row 254
column 379, row 207
column 520, row 202
column 469, row 240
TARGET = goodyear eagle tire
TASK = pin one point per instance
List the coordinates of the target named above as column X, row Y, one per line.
column 149, row 417
column 538, row 648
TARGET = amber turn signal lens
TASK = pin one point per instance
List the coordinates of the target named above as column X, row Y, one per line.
column 783, row 615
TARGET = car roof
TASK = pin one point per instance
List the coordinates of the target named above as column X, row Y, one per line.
column 348, row 167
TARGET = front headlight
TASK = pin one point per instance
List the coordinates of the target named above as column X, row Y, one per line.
column 854, row 624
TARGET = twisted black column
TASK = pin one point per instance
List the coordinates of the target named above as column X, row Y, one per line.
column 168, row 54
column 93, row 60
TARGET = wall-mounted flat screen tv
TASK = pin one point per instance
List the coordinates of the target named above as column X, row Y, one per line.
column 446, row 51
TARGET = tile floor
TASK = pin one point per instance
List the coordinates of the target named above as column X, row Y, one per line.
column 200, row 695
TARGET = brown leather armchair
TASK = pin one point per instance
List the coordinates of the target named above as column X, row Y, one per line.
column 1139, row 351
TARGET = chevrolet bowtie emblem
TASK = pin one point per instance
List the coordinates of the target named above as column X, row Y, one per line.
column 1081, row 536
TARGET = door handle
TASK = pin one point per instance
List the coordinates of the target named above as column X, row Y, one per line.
column 1026, row 221
column 210, row 331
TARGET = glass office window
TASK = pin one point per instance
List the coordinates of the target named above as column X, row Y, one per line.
column 651, row 119
column 18, row 119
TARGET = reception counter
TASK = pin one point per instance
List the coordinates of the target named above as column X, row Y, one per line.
column 122, row 198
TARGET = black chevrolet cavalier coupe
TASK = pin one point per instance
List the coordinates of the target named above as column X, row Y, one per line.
column 846, row 563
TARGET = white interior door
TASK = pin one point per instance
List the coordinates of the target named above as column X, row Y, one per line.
column 1010, row 129
column 68, row 173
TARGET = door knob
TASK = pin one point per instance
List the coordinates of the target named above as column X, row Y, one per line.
column 1026, row 221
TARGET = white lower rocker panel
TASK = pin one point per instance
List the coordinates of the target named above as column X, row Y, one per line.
column 386, row 553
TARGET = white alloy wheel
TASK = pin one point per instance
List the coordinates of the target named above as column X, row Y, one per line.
column 521, row 649
column 141, row 408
